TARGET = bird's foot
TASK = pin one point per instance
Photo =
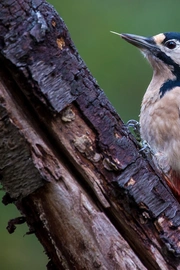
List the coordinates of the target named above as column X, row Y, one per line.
column 144, row 146
column 135, row 127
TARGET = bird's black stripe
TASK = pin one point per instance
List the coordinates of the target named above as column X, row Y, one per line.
column 168, row 61
column 169, row 84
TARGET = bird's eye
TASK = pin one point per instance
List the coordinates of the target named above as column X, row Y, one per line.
column 170, row 44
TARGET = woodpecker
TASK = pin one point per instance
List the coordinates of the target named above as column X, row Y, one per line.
column 160, row 108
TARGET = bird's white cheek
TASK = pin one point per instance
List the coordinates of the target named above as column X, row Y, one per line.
column 176, row 59
column 175, row 56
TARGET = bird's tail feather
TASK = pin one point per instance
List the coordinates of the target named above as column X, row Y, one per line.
column 173, row 181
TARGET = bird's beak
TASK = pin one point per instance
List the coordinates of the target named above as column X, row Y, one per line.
column 143, row 43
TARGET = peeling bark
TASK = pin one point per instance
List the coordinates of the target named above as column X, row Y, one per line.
column 67, row 160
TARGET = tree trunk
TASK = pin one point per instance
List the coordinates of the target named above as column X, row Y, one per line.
column 68, row 162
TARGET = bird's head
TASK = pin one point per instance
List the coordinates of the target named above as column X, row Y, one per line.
column 160, row 50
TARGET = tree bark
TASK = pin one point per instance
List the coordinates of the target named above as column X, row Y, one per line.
column 68, row 162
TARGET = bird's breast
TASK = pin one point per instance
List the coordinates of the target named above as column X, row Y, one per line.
column 160, row 124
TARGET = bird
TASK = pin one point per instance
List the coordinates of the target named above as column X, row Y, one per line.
column 160, row 108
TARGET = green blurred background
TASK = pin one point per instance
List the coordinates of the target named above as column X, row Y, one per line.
column 120, row 71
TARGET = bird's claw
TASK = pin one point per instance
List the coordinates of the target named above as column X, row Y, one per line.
column 145, row 147
column 136, row 128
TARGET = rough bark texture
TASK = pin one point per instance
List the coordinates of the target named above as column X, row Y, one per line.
column 67, row 160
